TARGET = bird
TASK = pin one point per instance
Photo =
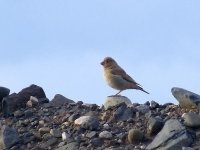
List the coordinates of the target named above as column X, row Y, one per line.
column 117, row 78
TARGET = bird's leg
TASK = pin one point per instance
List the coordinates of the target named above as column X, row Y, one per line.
column 118, row 92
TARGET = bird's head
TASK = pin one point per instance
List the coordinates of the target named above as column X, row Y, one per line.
column 108, row 62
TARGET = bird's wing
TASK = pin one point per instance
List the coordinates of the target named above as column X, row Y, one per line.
column 124, row 75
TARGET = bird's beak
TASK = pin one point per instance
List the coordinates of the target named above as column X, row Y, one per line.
column 102, row 63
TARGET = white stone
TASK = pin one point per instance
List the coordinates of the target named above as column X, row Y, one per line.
column 34, row 99
column 82, row 120
column 106, row 126
column 116, row 100
column 105, row 135
column 64, row 136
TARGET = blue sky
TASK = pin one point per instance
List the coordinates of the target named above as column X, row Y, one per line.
column 59, row 45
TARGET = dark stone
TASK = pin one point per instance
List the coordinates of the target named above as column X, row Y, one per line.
column 10, row 137
column 28, row 113
column 91, row 134
column 3, row 93
column 73, row 117
column 10, row 104
column 79, row 103
column 166, row 104
column 154, row 125
column 32, row 90
column 43, row 100
column 27, row 138
column 129, row 147
column 60, row 100
column 123, row 113
column 16, row 101
column 70, row 146
column 93, row 107
column 147, row 103
column 96, row 142
column 154, row 105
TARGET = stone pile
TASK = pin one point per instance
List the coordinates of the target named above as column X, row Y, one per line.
column 29, row 120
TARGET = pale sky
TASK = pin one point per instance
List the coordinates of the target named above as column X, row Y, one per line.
column 59, row 44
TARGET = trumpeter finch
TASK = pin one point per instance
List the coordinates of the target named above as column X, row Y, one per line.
column 117, row 78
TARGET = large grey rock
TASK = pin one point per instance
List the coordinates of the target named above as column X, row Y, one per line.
column 186, row 98
column 3, row 93
column 173, row 136
column 60, row 100
column 16, row 101
column 9, row 137
column 116, row 100
column 191, row 119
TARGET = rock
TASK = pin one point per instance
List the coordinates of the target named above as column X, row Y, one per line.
column 147, row 103
column 105, row 135
column 130, row 147
column 51, row 141
column 96, row 142
column 186, row 98
column 10, row 104
column 187, row 148
column 70, row 146
column 16, row 101
column 3, row 93
column 87, row 122
column 135, row 135
column 88, row 126
column 154, row 125
column 28, row 137
column 143, row 108
column 91, row 134
column 28, row 113
column 172, row 136
column 115, row 101
column 9, row 136
column 106, row 126
column 60, row 100
column 73, row 117
column 33, row 101
column 64, row 136
column 43, row 100
column 44, row 130
column 191, row 119
column 18, row 113
column 56, row 133
column 154, row 105
column 123, row 113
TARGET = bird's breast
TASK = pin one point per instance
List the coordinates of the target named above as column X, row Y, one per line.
column 115, row 81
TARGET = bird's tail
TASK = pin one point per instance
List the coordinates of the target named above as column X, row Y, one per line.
column 140, row 88
column 144, row 91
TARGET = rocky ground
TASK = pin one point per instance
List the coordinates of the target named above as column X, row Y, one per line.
column 30, row 121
